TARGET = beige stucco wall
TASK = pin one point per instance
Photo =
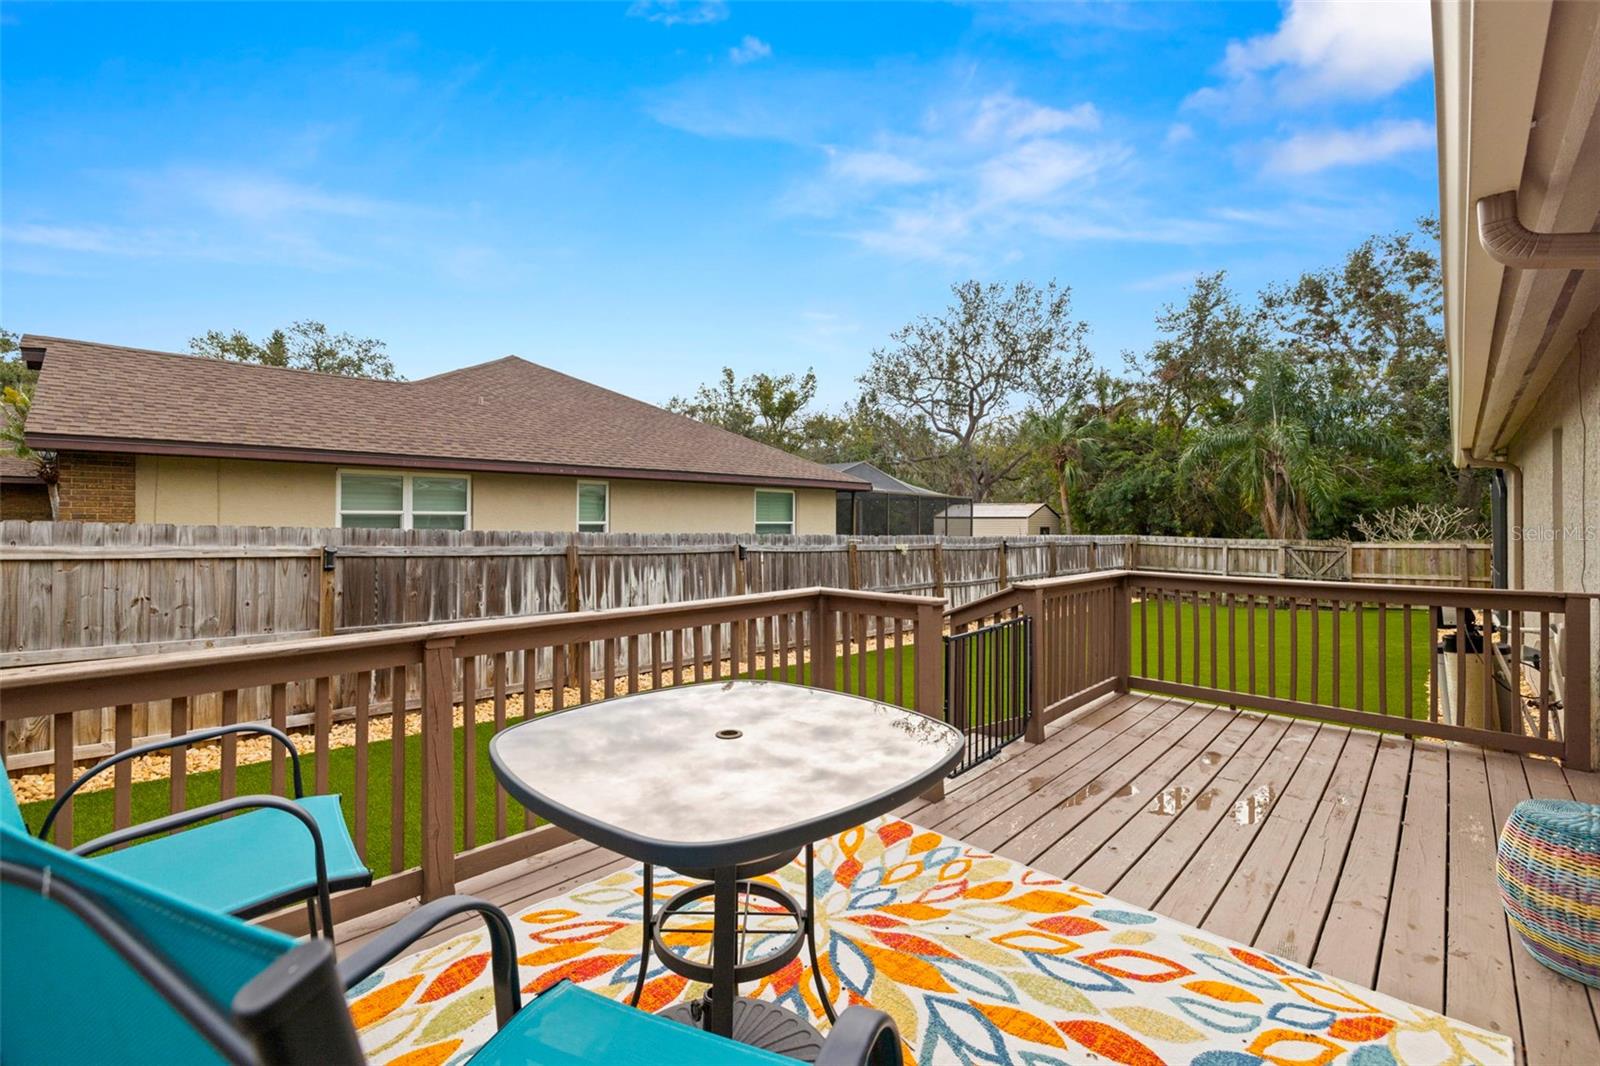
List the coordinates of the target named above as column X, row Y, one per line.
column 238, row 492
column 1559, row 541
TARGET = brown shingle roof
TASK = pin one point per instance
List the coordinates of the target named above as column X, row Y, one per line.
column 16, row 470
column 507, row 414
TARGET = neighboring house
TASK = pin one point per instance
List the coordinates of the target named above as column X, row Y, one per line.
column 1516, row 92
column 147, row 436
column 1003, row 519
column 22, row 494
column 890, row 506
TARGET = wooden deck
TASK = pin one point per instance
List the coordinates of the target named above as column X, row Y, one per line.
column 1368, row 856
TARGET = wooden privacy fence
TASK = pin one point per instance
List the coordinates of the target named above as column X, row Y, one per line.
column 879, row 645
column 1456, row 563
column 78, row 591
column 1435, row 662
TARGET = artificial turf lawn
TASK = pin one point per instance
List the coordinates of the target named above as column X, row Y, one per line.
column 93, row 812
column 1391, row 677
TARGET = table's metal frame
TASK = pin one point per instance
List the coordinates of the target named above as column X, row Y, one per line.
column 725, row 934
column 724, row 858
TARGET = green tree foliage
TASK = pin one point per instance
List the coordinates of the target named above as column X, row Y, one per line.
column 1292, row 414
column 305, row 345
column 1065, row 441
column 765, row 407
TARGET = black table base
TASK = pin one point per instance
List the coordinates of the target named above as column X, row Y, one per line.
column 722, row 1010
column 761, row 1024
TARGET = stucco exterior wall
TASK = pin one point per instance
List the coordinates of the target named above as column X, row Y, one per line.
column 239, row 492
column 1558, row 452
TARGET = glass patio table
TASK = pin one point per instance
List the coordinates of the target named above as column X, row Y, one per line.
column 723, row 782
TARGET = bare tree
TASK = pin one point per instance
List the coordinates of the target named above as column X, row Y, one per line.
column 969, row 374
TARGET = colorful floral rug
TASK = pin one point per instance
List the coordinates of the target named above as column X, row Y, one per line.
column 978, row 959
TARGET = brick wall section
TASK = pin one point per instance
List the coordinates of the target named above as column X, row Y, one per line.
column 25, row 503
column 95, row 487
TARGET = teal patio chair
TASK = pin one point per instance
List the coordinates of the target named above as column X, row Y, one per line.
column 97, row 967
column 281, row 852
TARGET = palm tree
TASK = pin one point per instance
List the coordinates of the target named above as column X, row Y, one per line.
column 1284, row 452
column 1066, row 443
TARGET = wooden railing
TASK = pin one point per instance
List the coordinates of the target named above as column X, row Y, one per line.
column 1426, row 661
column 1080, row 638
column 880, row 645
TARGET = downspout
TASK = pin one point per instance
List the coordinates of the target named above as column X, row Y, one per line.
column 1512, row 244
column 1505, row 502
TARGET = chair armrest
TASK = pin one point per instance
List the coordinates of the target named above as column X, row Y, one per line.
column 861, row 1037
column 383, row 948
column 183, row 819
column 198, row 737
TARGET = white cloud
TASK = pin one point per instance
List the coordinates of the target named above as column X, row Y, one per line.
column 876, row 168
column 1037, row 170
column 749, row 49
column 675, row 13
column 1324, row 50
column 1178, row 133
column 1308, row 153
column 1008, row 117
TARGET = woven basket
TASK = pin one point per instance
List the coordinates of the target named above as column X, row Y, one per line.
column 1548, row 867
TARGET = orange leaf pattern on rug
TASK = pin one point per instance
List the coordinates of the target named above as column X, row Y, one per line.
column 456, row 976
column 979, row 960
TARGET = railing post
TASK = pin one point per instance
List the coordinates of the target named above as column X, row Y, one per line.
column 438, row 769
column 929, row 640
column 1121, row 641
column 1578, row 660
column 824, row 672
column 1036, row 673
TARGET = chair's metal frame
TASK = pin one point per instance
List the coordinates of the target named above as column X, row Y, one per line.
column 319, row 904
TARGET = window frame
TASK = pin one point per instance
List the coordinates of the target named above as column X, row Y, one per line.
column 755, row 512
column 407, row 513
column 577, row 505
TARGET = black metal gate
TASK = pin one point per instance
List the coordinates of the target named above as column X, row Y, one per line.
column 987, row 680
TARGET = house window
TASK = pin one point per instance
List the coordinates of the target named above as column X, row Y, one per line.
column 403, row 501
column 774, row 511
column 594, row 506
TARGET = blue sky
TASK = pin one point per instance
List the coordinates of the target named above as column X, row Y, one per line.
column 641, row 193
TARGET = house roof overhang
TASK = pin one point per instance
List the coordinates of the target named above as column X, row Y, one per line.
column 1515, row 91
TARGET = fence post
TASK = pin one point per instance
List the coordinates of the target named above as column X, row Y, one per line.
column 928, row 636
column 325, row 598
column 1002, row 576
column 1036, row 672
column 1094, row 556
column 854, row 564
column 738, row 570
column 938, row 569
column 824, row 672
column 438, row 769
column 1227, row 563
column 1578, row 659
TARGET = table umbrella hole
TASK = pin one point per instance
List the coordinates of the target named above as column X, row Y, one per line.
column 729, row 734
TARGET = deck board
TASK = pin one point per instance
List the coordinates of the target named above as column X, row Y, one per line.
column 1369, row 857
